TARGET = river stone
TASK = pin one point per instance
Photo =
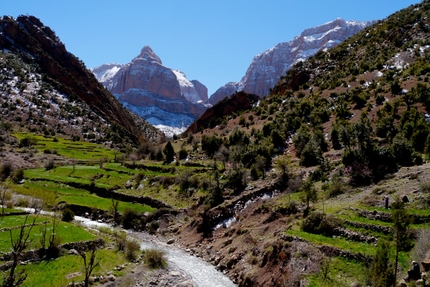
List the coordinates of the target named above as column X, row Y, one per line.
column 73, row 251
column 187, row 283
column 171, row 241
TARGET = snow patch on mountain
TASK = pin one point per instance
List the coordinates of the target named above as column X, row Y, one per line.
column 187, row 88
column 106, row 72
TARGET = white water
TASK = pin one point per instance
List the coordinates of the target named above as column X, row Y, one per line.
column 202, row 274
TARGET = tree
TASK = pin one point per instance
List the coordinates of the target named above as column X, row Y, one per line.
column 90, row 264
column 19, row 244
column 215, row 196
column 380, row 274
column 402, row 236
column 283, row 167
column 169, row 152
column 309, row 193
column 114, row 209
column 211, row 144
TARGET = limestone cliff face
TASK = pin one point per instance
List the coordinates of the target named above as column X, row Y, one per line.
column 201, row 90
column 146, row 72
column 266, row 68
column 161, row 95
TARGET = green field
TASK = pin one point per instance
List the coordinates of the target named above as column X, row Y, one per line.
column 66, row 231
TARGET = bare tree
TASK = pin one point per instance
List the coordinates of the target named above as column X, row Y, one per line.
column 90, row 264
column 19, row 244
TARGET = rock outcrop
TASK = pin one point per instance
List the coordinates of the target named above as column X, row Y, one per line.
column 159, row 94
column 266, row 68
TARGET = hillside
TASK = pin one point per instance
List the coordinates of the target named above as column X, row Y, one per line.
column 342, row 129
column 40, row 75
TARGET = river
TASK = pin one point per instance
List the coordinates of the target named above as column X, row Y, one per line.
column 202, row 274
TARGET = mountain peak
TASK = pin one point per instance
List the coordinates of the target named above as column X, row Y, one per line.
column 148, row 54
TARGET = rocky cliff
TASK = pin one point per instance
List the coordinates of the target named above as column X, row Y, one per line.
column 29, row 37
column 266, row 68
column 159, row 94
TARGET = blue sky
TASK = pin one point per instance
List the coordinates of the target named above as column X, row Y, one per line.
column 210, row 41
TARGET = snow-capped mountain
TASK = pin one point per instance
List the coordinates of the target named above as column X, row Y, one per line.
column 266, row 68
column 160, row 95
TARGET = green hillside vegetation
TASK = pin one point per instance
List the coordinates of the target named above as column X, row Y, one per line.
column 304, row 174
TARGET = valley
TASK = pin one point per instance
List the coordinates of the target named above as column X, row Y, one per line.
column 324, row 181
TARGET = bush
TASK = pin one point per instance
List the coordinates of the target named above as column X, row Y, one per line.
column 68, row 215
column 132, row 247
column 54, row 249
column 120, row 238
column 50, row 164
column 155, row 258
column 5, row 170
column 183, row 154
column 319, row 223
column 152, row 227
column 290, row 208
column 18, row 175
column 130, row 219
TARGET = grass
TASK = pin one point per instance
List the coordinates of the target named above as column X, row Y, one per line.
column 355, row 247
column 57, row 192
column 66, row 231
column 342, row 272
column 56, row 272
column 65, row 147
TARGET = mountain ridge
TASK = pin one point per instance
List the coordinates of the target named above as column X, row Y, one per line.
column 267, row 67
column 29, row 37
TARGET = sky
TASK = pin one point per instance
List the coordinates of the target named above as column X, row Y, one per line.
column 213, row 42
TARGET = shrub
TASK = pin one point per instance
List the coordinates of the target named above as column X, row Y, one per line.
column 319, row 223
column 27, row 142
column 130, row 219
column 22, row 201
column 120, row 239
column 335, row 187
column 152, row 227
column 54, row 249
column 183, row 154
column 50, row 164
column 155, row 258
column 132, row 247
column 5, row 170
column 18, row 175
column 290, row 208
column 68, row 215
